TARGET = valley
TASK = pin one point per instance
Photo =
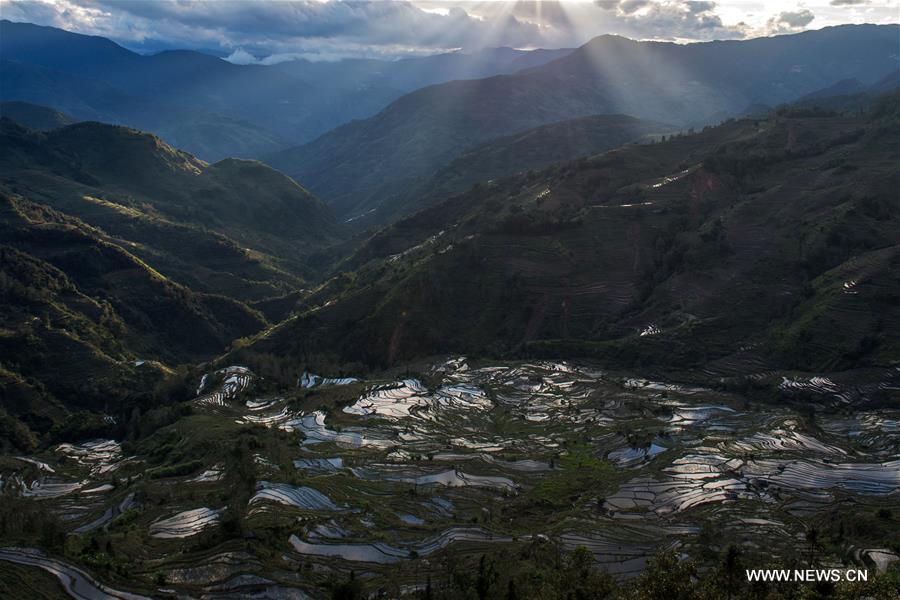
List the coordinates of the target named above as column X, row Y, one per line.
column 366, row 164
column 214, row 108
column 718, row 252
column 286, row 319
column 314, row 457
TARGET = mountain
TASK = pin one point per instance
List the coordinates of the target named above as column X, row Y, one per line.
column 538, row 57
column 133, row 184
column 842, row 87
column 358, row 88
column 757, row 242
column 99, row 297
column 532, row 149
column 849, row 94
column 87, row 323
column 123, row 257
column 210, row 106
column 213, row 135
column 361, row 165
column 34, row 116
column 886, row 84
column 403, row 75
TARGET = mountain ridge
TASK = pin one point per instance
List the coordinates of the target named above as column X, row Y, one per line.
column 532, row 149
column 34, row 116
column 360, row 165
column 688, row 228
column 124, row 258
column 208, row 105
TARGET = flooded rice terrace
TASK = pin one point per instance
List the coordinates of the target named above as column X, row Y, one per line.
column 463, row 458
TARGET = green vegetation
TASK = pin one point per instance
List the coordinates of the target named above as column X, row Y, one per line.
column 582, row 474
column 538, row 512
column 687, row 235
column 730, row 258
column 123, row 257
column 371, row 164
column 185, row 468
column 527, row 150
column 541, row 569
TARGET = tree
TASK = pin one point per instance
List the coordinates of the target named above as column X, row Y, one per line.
column 511, row 591
column 731, row 568
column 347, row 590
column 486, row 576
column 666, row 578
column 812, row 536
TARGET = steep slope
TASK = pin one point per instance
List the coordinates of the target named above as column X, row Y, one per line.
column 361, row 165
column 149, row 313
column 33, row 116
column 358, row 88
column 751, row 237
column 124, row 180
column 842, row 87
column 532, row 149
column 123, row 257
column 886, row 84
column 86, row 324
column 849, row 95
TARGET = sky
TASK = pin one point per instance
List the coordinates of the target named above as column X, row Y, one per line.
column 270, row 31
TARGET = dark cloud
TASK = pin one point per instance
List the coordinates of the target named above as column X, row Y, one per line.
column 672, row 19
column 697, row 6
column 275, row 30
column 296, row 27
column 788, row 22
column 630, row 6
column 848, row 2
column 374, row 22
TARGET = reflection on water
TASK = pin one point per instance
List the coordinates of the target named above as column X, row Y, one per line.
column 483, row 455
column 490, row 434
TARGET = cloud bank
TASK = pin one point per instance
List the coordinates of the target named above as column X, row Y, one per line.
column 269, row 31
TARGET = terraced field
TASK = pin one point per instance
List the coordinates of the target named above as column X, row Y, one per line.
column 281, row 493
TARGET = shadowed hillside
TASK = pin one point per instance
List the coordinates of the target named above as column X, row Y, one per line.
column 613, row 323
column 777, row 236
column 531, row 149
column 123, row 257
column 133, row 181
column 203, row 132
column 34, row 116
column 368, row 164
column 214, row 108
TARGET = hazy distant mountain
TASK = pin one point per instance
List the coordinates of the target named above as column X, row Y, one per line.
column 777, row 234
column 215, row 108
column 886, row 84
column 34, row 116
column 844, row 86
column 530, row 149
column 358, row 88
column 354, row 75
column 358, row 166
column 211, row 135
column 850, row 94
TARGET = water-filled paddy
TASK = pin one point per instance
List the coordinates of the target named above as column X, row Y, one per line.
column 464, row 458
